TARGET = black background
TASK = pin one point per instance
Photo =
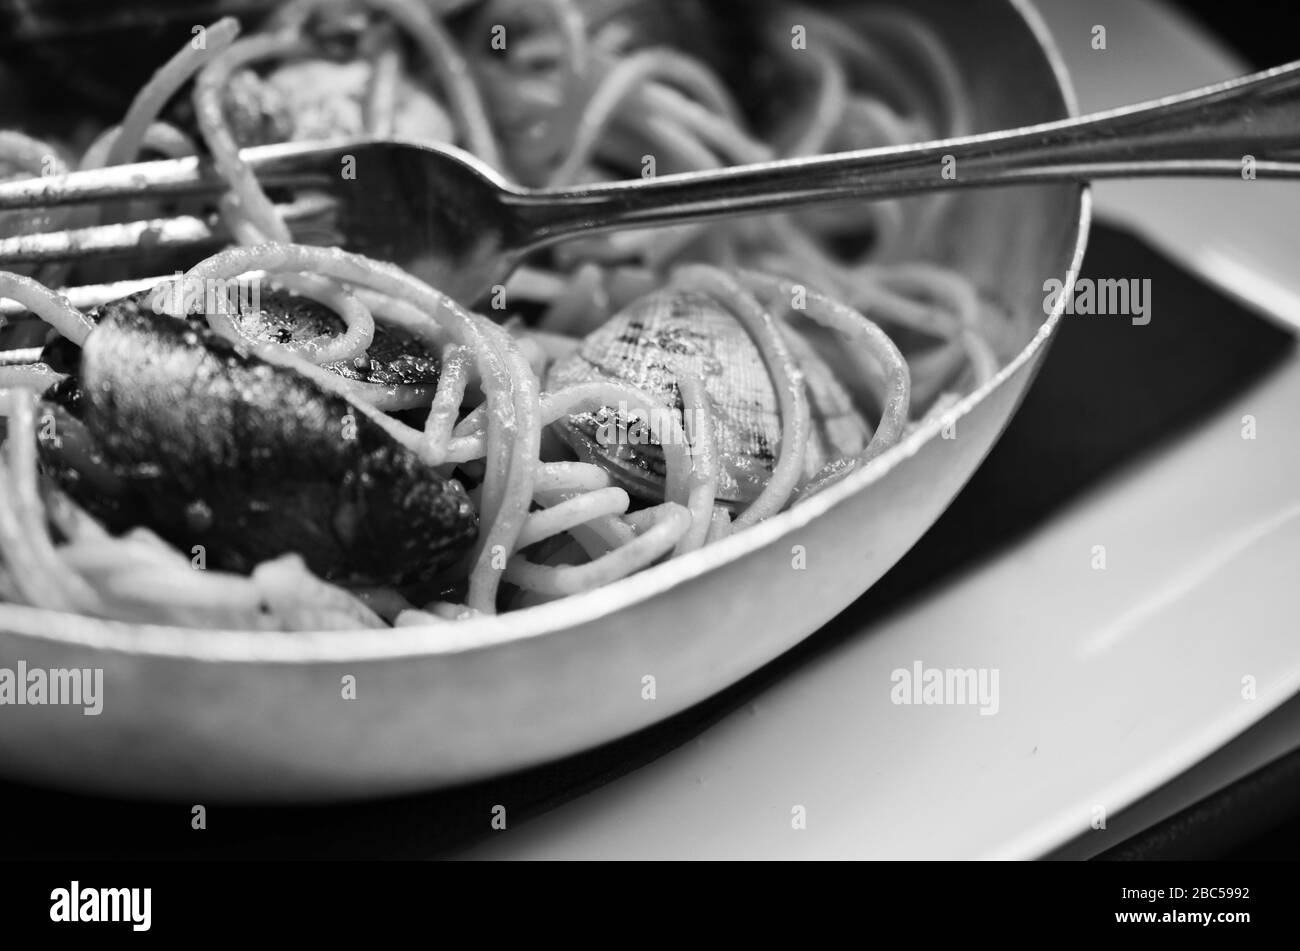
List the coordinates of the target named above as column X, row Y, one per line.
column 1262, row 31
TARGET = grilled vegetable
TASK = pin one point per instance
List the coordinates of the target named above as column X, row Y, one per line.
column 168, row 425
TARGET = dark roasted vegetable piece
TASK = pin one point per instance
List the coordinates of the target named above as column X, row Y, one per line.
column 395, row 357
column 209, row 445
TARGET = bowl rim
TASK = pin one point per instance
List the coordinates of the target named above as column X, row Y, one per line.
column 488, row 631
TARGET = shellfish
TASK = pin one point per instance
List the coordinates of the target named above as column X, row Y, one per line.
column 667, row 334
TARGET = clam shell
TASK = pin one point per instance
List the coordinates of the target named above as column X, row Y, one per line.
column 667, row 333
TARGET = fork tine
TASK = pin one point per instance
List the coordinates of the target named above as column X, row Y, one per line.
column 170, row 177
column 132, row 236
column 13, row 358
column 108, row 240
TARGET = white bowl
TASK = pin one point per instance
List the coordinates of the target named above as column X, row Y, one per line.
column 210, row 715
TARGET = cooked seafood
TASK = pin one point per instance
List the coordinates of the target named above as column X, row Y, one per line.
column 352, row 447
column 659, row 339
column 169, row 425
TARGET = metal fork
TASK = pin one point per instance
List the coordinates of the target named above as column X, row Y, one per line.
column 456, row 223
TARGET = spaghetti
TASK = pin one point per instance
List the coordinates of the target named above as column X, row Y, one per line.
column 556, row 102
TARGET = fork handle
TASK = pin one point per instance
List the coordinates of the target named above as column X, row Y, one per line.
column 1239, row 128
